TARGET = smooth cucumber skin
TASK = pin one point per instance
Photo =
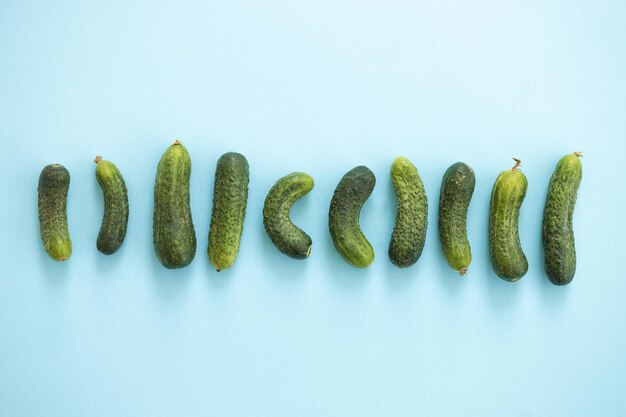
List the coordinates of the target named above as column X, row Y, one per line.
column 54, row 184
column 115, row 217
column 343, row 219
column 286, row 236
column 557, row 231
column 230, row 198
column 409, row 233
column 174, row 234
column 505, row 250
column 457, row 188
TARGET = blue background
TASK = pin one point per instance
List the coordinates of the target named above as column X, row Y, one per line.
column 316, row 86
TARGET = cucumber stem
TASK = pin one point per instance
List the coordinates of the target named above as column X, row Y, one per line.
column 518, row 163
column 98, row 159
column 177, row 142
column 462, row 271
column 578, row 154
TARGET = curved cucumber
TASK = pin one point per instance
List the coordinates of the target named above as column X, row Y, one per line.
column 230, row 198
column 557, row 231
column 457, row 188
column 174, row 234
column 343, row 218
column 505, row 250
column 115, row 218
column 286, row 236
column 409, row 232
column 54, row 183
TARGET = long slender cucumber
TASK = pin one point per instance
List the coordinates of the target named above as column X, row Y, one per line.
column 286, row 236
column 230, row 198
column 54, row 184
column 174, row 234
column 557, row 230
column 505, row 250
column 457, row 188
column 115, row 217
column 409, row 233
column 343, row 217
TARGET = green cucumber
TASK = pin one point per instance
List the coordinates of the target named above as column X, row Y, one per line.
column 343, row 218
column 54, row 183
column 115, row 218
column 174, row 234
column 409, row 232
column 557, row 231
column 230, row 198
column 286, row 236
column 505, row 250
column 457, row 188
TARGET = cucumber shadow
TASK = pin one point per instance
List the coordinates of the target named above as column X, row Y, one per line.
column 55, row 273
column 171, row 284
column 343, row 275
column 502, row 294
column 286, row 270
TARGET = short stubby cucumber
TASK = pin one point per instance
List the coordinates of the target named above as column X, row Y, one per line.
column 343, row 219
column 286, row 236
column 457, row 188
column 505, row 250
column 174, row 234
column 230, row 198
column 115, row 217
column 54, row 183
column 557, row 231
column 409, row 233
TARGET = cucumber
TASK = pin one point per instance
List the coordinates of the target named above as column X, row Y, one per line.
column 115, row 218
column 409, row 232
column 54, row 183
column 505, row 250
column 174, row 234
column 230, row 198
column 557, row 231
column 286, row 236
column 457, row 188
column 343, row 217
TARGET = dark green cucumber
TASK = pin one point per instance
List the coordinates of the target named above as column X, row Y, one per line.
column 505, row 250
column 557, row 231
column 409, row 232
column 115, row 218
column 343, row 219
column 230, row 198
column 457, row 188
column 286, row 236
column 174, row 234
column 54, row 183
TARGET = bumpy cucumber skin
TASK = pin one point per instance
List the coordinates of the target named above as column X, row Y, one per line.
column 54, row 184
column 286, row 236
column 409, row 232
column 457, row 188
column 343, row 219
column 174, row 234
column 115, row 218
column 557, row 231
column 230, row 198
column 505, row 250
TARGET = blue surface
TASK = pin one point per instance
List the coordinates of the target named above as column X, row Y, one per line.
column 315, row 86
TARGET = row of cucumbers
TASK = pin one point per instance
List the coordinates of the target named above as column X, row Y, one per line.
column 175, row 237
